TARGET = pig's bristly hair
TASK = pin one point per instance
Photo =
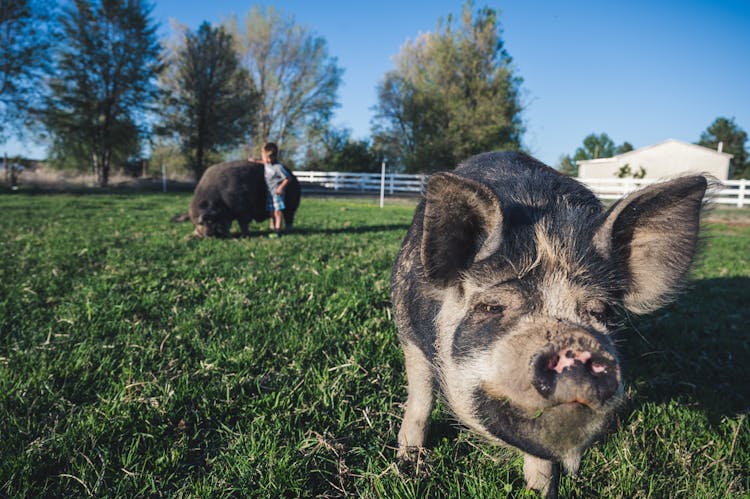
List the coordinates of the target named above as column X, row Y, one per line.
column 555, row 238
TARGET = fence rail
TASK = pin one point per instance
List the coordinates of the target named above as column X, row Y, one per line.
column 395, row 183
column 732, row 192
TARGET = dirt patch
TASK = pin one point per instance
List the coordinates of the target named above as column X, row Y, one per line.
column 739, row 217
column 46, row 180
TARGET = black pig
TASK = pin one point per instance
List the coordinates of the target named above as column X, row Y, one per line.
column 235, row 190
column 505, row 292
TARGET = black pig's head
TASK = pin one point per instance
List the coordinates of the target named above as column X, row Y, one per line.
column 210, row 219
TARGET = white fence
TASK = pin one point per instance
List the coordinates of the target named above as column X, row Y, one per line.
column 734, row 192
column 363, row 182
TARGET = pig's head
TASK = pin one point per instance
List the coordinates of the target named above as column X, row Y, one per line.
column 210, row 220
column 529, row 292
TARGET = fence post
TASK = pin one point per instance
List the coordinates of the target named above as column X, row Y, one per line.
column 336, row 181
column 382, row 182
column 390, row 186
column 163, row 177
column 741, row 193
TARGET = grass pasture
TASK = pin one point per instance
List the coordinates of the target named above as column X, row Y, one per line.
column 135, row 362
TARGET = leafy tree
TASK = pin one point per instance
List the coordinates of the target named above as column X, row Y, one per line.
column 207, row 101
column 102, row 83
column 733, row 138
column 453, row 93
column 623, row 148
column 338, row 151
column 567, row 166
column 290, row 68
column 594, row 147
column 626, row 172
column 167, row 153
column 26, row 33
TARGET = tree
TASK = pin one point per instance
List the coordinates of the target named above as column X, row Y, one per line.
column 567, row 166
column 623, row 148
column 626, row 172
column 453, row 93
column 208, row 104
column 733, row 139
column 290, row 68
column 594, row 147
column 103, row 83
column 26, row 34
column 338, row 151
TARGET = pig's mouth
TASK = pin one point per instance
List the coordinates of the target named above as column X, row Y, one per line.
column 550, row 433
column 567, row 375
column 211, row 229
column 579, row 401
column 576, row 387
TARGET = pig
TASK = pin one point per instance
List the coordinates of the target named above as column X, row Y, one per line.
column 235, row 190
column 506, row 292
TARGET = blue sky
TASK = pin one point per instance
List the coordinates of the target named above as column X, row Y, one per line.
column 641, row 71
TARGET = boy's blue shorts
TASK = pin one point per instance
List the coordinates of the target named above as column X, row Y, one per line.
column 275, row 202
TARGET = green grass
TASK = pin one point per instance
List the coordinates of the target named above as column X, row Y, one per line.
column 136, row 362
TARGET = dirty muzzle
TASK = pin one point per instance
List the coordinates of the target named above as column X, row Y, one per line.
column 577, row 367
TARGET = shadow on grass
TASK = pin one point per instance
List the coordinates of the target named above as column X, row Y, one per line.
column 441, row 427
column 304, row 231
column 350, row 230
column 696, row 350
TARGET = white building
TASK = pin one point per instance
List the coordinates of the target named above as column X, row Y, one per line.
column 664, row 160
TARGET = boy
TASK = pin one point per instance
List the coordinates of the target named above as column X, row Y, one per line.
column 276, row 182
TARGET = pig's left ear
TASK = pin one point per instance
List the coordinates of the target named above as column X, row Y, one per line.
column 462, row 225
column 653, row 234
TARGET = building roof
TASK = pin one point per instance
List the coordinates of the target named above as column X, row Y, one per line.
column 654, row 146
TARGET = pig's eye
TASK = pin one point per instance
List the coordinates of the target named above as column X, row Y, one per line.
column 490, row 308
column 600, row 312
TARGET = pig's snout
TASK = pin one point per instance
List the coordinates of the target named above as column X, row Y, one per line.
column 575, row 373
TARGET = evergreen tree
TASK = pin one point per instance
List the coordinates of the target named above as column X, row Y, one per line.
column 207, row 101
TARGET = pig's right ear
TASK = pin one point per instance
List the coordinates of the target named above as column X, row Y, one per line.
column 653, row 234
column 462, row 225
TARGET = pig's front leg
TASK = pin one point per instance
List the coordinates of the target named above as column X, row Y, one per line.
column 244, row 227
column 541, row 475
column 420, row 401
